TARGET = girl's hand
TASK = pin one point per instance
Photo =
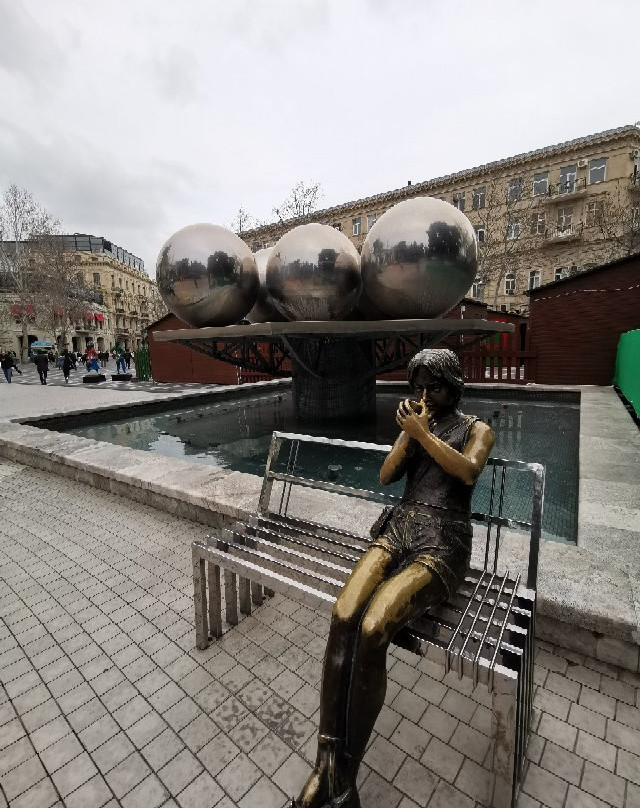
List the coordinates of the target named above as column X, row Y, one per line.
column 413, row 418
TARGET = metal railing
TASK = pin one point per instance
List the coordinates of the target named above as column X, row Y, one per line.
column 564, row 231
column 568, row 187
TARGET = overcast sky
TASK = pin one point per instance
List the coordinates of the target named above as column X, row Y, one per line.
column 133, row 118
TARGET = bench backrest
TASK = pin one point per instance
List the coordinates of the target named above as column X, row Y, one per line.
column 501, row 471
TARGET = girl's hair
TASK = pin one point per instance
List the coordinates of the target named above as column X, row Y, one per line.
column 442, row 364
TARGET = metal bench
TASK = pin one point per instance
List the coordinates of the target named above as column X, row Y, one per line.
column 484, row 633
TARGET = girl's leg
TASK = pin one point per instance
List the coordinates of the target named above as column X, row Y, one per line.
column 395, row 603
column 367, row 575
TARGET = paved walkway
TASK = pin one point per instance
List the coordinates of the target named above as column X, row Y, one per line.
column 105, row 701
column 26, row 396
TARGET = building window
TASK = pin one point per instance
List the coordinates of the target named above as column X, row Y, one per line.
column 594, row 212
column 458, row 200
column 514, row 228
column 479, row 198
column 480, row 233
column 534, row 279
column 372, row 218
column 560, row 273
column 597, row 170
column 113, row 281
column 509, row 284
column 356, row 225
column 567, row 183
column 541, row 183
column 96, row 279
column 477, row 289
column 538, row 224
column 503, row 308
column 514, row 189
column 565, row 219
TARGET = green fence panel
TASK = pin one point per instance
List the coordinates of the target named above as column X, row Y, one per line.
column 627, row 375
column 143, row 365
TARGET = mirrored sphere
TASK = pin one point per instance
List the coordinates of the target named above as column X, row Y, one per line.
column 207, row 275
column 263, row 310
column 419, row 259
column 313, row 273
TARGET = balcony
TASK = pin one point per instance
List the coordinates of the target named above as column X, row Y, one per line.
column 567, row 232
column 571, row 189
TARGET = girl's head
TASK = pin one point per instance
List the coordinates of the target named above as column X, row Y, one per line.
column 436, row 376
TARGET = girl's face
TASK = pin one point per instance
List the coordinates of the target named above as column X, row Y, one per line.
column 436, row 393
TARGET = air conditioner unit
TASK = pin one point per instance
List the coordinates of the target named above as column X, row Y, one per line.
column 582, row 163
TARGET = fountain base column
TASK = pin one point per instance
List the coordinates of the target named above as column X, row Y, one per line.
column 333, row 378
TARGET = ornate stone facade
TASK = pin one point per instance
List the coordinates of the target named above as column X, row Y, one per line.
column 539, row 216
column 120, row 301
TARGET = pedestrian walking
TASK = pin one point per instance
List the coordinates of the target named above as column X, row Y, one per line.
column 127, row 358
column 42, row 364
column 66, row 365
column 120, row 359
column 7, row 366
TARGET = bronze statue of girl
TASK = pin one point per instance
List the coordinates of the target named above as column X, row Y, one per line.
column 418, row 557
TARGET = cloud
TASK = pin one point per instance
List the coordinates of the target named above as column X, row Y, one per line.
column 26, row 51
column 91, row 191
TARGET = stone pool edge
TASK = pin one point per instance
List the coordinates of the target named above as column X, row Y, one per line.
column 606, row 627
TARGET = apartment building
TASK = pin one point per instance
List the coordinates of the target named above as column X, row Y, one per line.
column 118, row 300
column 538, row 216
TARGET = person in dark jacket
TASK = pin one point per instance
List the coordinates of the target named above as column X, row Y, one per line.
column 67, row 364
column 42, row 363
column 7, row 364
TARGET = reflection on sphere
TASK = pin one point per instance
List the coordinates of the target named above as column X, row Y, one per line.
column 207, row 275
column 263, row 310
column 419, row 259
column 313, row 273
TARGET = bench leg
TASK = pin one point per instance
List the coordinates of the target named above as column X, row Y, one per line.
column 256, row 593
column 231, row 597
column 244, row 587
column 200, row 601
column 215, row 600
column 504, row 733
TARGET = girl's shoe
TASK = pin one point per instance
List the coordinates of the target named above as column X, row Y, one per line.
column 329, row 785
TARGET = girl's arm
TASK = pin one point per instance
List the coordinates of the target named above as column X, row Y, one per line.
column 395, row 463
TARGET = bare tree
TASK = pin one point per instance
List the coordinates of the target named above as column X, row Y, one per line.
column 242, row 221
column 22, row 221
column 65, row 296
column 617, row 221
column 302, row 200
column 157, row 306
column 508, row 221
